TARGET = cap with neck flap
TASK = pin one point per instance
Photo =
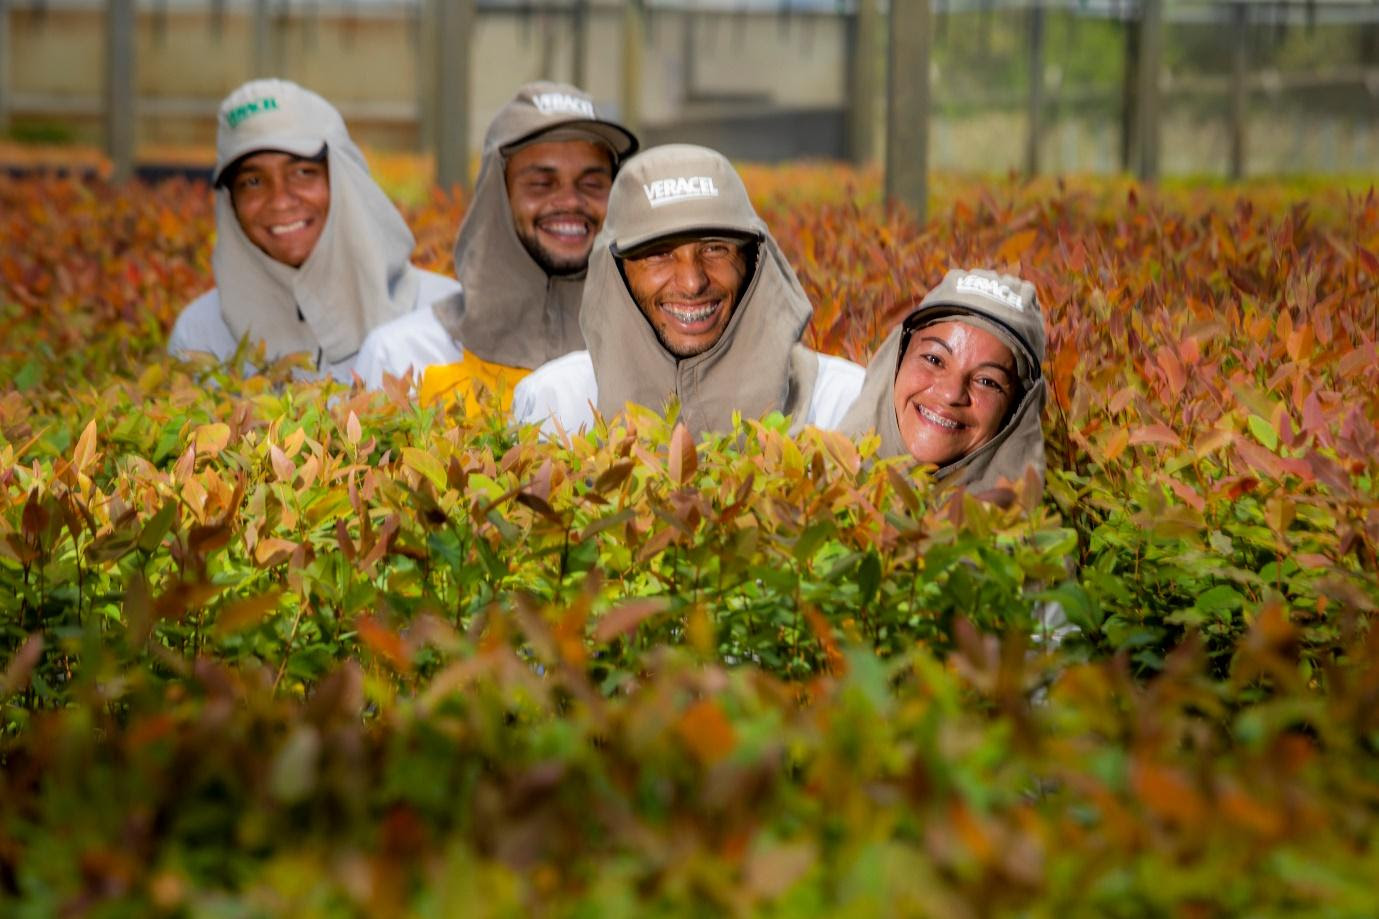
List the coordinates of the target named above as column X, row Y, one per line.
column 510, row 311
column 273, row 114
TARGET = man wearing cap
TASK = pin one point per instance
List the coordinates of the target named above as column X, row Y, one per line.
column 310, row 254
column 541, row 196
column 689, row 298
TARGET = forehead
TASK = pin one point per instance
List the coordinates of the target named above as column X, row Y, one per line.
column 269, row 159
column 575, row 155
column 968, row 341
column 675, row 241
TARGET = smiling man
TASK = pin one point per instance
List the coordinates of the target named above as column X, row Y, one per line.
column 310, row 254
column 548, row 164
column 689, row 299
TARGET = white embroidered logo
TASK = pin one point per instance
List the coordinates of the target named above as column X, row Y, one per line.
column 681, row 188
column 558, row 103
column 986, row 287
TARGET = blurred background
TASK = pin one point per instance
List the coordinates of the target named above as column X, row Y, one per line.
column 1180, row 87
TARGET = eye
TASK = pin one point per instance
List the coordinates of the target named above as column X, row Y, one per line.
column 991, row 383
column 716, row 250
column 595, row 184
column 932, row 359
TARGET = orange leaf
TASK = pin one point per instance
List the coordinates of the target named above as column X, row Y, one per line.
column 1117, row 444
column 273, row 550
column 384, row 642
column 683, row 460
column 1168, row 793
column 1015, row 245
column 623, row 619
column 1155, row 434
column 707, row 732
column 245, row 613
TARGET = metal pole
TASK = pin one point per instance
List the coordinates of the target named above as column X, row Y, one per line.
column 907, row 109
column 5, row 58
column 631, row 101
column 1036, row 89
column 260, row 55
column 119, row 88
column 579, row 57
column 862, row 53
column 1240, row 72
column 1129, row 101
column 428, row 110
column 1147, row 87
column 454, row 30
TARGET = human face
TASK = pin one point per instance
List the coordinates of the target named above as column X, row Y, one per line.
column 955, row 384
column 688, row 289
column 558, row 192
column 281, row 202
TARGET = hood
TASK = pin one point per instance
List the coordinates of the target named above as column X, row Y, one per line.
column 511, row 312
column 1003, row 305
column 670, row 191
column 358, row 276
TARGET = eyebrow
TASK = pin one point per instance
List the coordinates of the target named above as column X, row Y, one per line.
column 1001, row 367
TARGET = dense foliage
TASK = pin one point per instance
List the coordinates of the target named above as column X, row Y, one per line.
column 277, row 648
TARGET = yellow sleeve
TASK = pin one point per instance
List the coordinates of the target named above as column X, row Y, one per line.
column 474, row 381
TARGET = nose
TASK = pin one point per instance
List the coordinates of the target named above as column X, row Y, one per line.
column 567, row 198
column 689, row 272
column 950, row 389
column 281, row 194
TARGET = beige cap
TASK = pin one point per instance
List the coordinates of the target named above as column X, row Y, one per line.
column 543, row 111
column 273, row 114
column 1000, row 303
column 674, row 190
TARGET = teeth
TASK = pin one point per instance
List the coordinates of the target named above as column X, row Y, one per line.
column 283, row 228
column 689, row 316
column 565, row 229
column 939, row 419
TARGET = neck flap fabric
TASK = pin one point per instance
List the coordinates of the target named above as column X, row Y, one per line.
column 359, row 275
column 510, row 311
column 1003, row 305
column 753, row 368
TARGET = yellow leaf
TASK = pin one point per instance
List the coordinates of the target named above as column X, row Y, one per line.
column 85, row 451
column 210, row 439
column 426, row 464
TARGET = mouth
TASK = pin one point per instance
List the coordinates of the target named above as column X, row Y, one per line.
column 948, row 424
column 693, row 316
column 283, row 229
column 565, row 228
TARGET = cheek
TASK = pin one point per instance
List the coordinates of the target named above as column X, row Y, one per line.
column 994, row 410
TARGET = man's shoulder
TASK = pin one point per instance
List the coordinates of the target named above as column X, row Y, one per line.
column 201, row 327
column 411, row 342
column 836, row 387
column 559, row 390
column 577, row 365
column 840, row 370
column 433, row 287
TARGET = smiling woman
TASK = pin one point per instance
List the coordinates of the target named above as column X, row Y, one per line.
column 958, row 384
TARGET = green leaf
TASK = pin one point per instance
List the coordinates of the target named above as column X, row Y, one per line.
column 1264, row 432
